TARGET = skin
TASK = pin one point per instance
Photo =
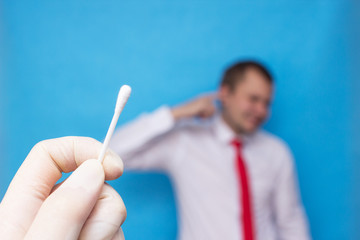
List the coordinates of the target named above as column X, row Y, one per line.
column 81, row 207
column 244, row 108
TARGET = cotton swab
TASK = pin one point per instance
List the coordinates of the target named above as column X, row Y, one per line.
column 122, row 98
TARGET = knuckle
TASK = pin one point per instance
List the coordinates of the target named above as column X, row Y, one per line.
column 115, row 202
column 41, row 146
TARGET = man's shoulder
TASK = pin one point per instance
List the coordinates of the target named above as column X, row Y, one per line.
column 271, row 142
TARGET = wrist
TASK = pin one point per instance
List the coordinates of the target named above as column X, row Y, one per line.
column 178, row 113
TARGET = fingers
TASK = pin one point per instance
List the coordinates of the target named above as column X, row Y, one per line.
column 212, row 95
column 40, row 171
column 106, row 218
column 65, row 211
column 203, row 106
column 207, row 108
column 206, row 113
column 119, row 235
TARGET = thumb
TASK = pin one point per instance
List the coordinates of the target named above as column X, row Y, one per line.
column 65, row 211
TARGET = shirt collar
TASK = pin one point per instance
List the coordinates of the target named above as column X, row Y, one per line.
column 225, row 134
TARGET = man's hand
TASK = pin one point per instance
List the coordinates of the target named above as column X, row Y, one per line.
column 82, row 207
column 202, row 107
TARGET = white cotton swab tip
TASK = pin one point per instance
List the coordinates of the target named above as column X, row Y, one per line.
column 122, row 98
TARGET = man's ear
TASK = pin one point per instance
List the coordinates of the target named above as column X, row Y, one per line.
column 224, row 92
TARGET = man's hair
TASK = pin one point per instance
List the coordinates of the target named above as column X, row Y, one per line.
column 235, row 73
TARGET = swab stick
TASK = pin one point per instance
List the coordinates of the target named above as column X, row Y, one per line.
column 122, row 98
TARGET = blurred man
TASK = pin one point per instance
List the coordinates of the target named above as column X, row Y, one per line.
column 232, row 180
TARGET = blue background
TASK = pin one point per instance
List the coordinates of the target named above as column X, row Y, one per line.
column 62, row 63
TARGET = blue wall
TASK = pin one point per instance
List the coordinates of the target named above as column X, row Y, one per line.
column 65, row 60
column 355, row 111
column 2, row 105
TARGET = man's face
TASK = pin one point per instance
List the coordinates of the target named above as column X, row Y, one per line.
column 246, row 106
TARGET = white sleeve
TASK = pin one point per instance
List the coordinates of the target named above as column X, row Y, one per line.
column 288, row 210
column 146, row 143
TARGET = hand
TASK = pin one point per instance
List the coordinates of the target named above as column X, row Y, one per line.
column 81, row 207
column 202, row 107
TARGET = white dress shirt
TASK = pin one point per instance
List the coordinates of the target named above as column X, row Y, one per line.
column 200, row 160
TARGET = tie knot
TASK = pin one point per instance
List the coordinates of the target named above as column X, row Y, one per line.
column 236, row 143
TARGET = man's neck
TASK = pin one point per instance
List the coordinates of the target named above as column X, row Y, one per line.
column 231, row 125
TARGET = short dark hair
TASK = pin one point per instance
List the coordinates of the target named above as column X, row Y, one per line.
column 235, row 72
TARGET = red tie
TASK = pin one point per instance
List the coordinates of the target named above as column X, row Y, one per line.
column 248, row 228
